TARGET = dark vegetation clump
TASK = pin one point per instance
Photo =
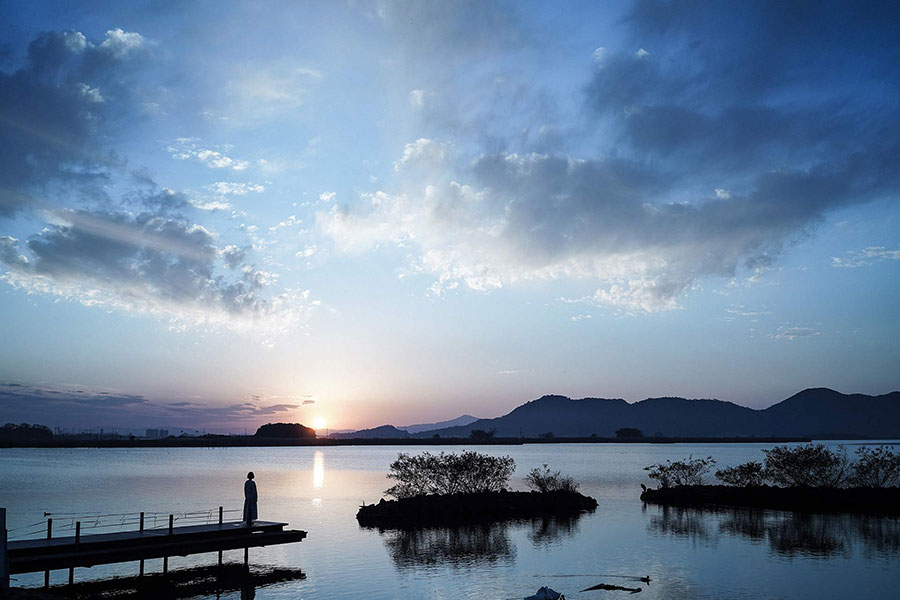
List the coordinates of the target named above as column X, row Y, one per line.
column 750, row 474
column 680, row 472
column 876, row 467
column 809, row 466
column 545, row 480
column 285, row 430
column 25, row 433
column 468, row 472
column 810, row 478
column 813, row 465
column 629, row 433
column 452, row 489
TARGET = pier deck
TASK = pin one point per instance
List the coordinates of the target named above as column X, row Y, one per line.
column 29, row 556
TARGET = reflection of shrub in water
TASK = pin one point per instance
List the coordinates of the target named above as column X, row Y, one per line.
column 745, row 523
column 682, row 523
column 812, row 535
column 456, row 546
column 791, row 534
column 550, row 530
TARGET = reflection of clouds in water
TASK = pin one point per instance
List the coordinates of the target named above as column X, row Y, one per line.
column 787, row 534
column 318, row 470
column 458, row 547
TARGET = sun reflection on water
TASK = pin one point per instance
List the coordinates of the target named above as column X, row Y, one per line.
column 318, row 470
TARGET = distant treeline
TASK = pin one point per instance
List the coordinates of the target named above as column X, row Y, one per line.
column 223, row 441
column 24, row 433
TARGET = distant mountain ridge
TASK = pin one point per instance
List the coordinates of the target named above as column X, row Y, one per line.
column 457, row 422
column 815, row 412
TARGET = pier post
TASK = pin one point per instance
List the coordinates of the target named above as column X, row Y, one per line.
column 166, row 558
column 4, row 558
column 247, row 558
column 141, row 574
column 220, row 524
column 49, row 535
column 77, row 540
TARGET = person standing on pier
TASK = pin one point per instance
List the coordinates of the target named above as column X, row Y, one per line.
column 250, row 500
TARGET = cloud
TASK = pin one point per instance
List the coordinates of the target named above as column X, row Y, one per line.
column 118, row 43
column 226, row 188
column 786, row 332
column 307, row 402
column 149, row 264
column 190, row 149
column 865, row 257
column 422, row 153
column 74, row 407
column 68, row 93
column 711, row 159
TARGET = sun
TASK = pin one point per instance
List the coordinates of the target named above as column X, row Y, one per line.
column 319, row 423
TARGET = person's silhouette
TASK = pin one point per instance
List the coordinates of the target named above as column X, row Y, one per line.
column 250, row 500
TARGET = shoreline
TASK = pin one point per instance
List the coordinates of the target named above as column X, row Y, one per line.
column 253, row 442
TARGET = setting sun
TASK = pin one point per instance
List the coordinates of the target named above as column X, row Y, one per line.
column 319, row 423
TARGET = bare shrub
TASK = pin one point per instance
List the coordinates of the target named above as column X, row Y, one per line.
column 749, row 474
column 680, row 472
column 876, row 467
column 545, row 480
column 812, row 465
column 468, row 472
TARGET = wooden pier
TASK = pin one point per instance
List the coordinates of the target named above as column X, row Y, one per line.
column 51, row 553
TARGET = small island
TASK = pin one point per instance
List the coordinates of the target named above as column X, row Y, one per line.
column 466, row 488
column 811, row 478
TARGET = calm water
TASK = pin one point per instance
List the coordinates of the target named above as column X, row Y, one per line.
column 688, row 554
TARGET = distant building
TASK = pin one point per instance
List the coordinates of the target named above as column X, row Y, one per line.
column 157, row 434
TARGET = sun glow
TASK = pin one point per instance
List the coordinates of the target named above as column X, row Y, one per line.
column 319, row 423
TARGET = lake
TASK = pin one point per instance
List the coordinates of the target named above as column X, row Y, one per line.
column 687, row 553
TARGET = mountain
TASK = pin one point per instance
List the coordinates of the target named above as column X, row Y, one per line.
column 457, row 422
column 819, row 412
column 382, row 432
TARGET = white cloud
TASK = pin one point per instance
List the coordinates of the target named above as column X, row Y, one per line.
column 326, row 197
column 226, row 188
column 418, row 98
column 422, row 153
column 786, row 332
column 865, row 257
column 600, row 56
column 266, row 91
column 582, row 317
column 189, row 148
column 119, row 43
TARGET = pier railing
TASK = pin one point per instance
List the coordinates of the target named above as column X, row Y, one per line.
column 141, row 535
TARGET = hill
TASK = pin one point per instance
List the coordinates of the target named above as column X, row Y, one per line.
column 818, row 412
column 458, row 421
column 382, row 432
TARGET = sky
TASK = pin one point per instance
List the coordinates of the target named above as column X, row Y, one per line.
column 219, row 214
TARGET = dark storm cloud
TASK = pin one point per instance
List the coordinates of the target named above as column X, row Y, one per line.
column 725, row 133
column 147, row 263
column 83, row 408
column 53, row 108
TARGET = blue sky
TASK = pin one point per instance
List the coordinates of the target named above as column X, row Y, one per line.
column 219, row 214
